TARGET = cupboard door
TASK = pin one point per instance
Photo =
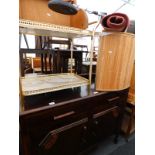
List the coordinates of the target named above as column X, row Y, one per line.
column 105, row 122
column 63, row 140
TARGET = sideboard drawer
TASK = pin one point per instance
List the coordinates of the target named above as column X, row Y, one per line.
column 103, row 103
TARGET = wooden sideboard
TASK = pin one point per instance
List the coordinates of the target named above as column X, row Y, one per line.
column 69, row 121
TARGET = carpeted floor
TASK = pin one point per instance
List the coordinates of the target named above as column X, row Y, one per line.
column 126, row 149
column 123, row 147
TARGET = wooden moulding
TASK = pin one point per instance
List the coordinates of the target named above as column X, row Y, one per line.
column 131, row 94
column 37, row 10
column 115, row 61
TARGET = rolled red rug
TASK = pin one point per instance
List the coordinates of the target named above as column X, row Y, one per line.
column 115, row 22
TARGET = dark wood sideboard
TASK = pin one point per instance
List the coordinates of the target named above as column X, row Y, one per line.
column 78, row 119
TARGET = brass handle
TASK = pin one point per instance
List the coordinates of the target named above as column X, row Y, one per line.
column 64, row 115
column 104, row 112
column 85, row 127
column 114, row 98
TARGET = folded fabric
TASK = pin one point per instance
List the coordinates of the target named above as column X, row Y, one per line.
column 115, row 22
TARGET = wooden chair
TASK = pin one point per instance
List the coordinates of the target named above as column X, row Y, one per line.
column 36, row 64
column 61, row 57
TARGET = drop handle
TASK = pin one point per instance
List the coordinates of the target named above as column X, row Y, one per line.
column 113, row 99
column 85, row 128
column 96, row 122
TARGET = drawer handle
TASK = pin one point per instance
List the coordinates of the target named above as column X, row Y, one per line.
column 104, row 112
column 112, row 99
column 85, row 128
column 96, row 122
column 64, row 115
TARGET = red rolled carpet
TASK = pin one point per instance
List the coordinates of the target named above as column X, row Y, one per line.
column 115, row 22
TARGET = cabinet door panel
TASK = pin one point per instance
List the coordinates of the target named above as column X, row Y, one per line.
column 105, row 122
column 63, row 140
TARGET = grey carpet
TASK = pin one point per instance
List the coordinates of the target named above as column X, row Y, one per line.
column 126, row 149
column 108, row 147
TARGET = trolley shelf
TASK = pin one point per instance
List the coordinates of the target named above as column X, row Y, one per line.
column 46, row 29
column 52, row 82
column 39, row 84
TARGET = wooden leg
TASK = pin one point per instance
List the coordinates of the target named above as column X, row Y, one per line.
column 116, row 138
column 130, row 122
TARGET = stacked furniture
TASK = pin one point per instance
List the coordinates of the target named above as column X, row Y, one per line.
column 63, row 113
column 66, row 118
column 70, row 121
